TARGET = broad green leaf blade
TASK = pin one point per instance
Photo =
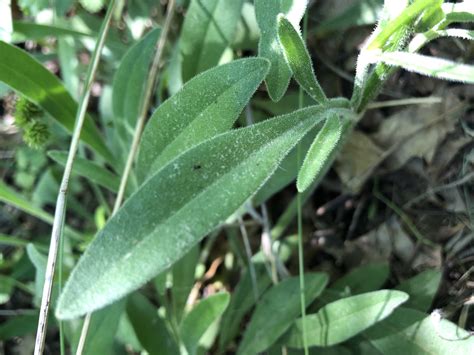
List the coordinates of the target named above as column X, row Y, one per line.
column 412, row 332
column 200, row 318
column 129, row 80
column 183, row 280
column 242, row 300
column 167, row 210
column 319, row 153
column 269, row 46
column 426, row 65
column 150, row 327
column 28, row 77
column 343, row 319
column 298, row 59
column 422, row 289
column 88, row 170
column 208, row 29
column 277, row 310
column 206, row 106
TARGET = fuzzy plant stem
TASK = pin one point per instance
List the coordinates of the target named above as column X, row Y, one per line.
column 150, row 84
column 60, row 210
column 300, row 224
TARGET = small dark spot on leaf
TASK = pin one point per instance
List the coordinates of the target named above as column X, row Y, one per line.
column 197, row 166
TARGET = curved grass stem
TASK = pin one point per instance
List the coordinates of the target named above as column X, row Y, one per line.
column 60, row 211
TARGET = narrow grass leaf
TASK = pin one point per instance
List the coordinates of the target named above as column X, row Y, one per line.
column 269, row 46
column 277, row 310
column 208, row 29
column 422, row 289
column 167, row 210
column 28, row 77
column 89, row 170
column 343, row 319
column 13, row 198
column 200, row 318
column 128, row 86
column 298, row 58
column 426, row 65
column 207, row 105
column 408, row 331
column 29, row 30
column 321, row 149
column 149, row 327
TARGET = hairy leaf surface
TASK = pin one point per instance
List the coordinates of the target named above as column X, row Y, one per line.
column 321, row 149
column 269, row 46
column 206, row 106
column 176, row 207
column 298, row 58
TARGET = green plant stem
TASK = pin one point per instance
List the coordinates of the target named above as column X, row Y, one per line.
column 300, row 223
column 60, row 211
column 150, row 85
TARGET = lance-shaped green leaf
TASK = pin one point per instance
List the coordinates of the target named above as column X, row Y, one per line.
column 28, row 77
column 130, row 78
column 426, row 65
column 200, row 318
column 208, row 29
column 88, row 169
column 319, row 153
column 277, row 310
column 343, row 319
column 176, row 207
column 206, row 106
column 408, row 331
column 269, row 46
column 298, row 58
column 422, row 289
